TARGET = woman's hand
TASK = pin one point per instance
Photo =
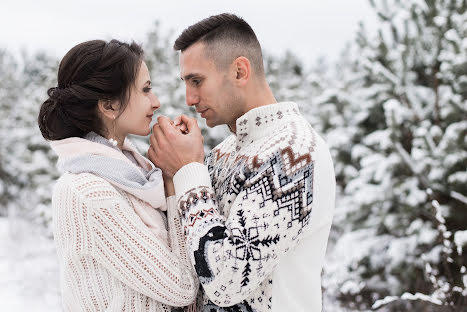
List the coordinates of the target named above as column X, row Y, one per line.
column 180, row 125
column 168, row 186
column 170, row 150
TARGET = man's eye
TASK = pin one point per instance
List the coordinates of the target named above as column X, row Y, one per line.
column 196, row 82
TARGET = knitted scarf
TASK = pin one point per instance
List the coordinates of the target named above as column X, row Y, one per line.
column 93, row 154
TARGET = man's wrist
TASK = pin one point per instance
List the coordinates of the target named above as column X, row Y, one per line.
column 190, row 176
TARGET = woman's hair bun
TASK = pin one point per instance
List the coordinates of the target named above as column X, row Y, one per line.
column 90, row 71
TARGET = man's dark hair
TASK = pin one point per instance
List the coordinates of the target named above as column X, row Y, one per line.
column 226, row 37
column 91, row 71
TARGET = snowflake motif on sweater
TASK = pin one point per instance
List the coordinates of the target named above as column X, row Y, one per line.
column 255, row 209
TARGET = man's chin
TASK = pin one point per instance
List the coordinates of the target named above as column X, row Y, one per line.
column 211, row 123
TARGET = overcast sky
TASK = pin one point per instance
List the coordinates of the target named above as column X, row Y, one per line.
column 310, row 28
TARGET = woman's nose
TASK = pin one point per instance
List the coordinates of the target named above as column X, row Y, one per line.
column 155, row 102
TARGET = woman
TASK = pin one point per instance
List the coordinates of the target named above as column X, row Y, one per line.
column 119, row 241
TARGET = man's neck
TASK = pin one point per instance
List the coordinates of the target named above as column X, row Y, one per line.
column 256, row 95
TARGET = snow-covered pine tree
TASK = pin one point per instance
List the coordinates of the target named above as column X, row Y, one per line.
column 406, row 151
column 291, row 80
column 25, row 154
column 9, row 95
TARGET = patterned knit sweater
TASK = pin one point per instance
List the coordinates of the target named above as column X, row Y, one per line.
column 257, row 215
column 109, row 259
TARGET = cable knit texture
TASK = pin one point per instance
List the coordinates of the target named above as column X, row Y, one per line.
column 110, row 260
column 257, row 216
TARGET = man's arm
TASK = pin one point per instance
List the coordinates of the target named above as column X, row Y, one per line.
column 268, row 215
column 267, row 218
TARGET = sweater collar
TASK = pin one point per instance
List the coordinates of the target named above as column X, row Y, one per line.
column 262, row 120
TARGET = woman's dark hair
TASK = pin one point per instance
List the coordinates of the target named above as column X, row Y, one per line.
column 91, row 71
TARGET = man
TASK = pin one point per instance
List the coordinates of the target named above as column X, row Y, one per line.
column 257, row 212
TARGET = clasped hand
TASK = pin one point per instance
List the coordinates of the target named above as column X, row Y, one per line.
column 174, row 144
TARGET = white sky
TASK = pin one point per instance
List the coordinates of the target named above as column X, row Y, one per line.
column 310, row 28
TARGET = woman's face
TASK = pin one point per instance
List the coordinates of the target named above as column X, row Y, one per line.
column 137, row 116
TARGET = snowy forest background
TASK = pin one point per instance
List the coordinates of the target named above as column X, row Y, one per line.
column 393, row 110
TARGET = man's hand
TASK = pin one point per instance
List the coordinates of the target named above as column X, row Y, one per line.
column 170, row 149
column 180, row 125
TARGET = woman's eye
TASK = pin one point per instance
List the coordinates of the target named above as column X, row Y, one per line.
column 147, row 89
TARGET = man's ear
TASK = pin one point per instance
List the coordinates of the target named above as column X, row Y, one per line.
column 108, row 108
column 242, row 70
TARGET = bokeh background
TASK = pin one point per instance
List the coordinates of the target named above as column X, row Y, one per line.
column 383, row 81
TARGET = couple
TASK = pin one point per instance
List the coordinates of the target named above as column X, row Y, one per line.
column 249, row 222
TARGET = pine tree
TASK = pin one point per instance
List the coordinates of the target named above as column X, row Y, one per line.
column 25, row 155
column 406, row 155
column 9, row 95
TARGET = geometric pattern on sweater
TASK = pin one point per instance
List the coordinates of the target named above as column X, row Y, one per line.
column 257, row 209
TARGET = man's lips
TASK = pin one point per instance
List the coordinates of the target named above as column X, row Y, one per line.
column 202, row 111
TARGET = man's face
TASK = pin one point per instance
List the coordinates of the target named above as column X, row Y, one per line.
column 210, row 90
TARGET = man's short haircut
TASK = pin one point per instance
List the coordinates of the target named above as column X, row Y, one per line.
column 226, row 37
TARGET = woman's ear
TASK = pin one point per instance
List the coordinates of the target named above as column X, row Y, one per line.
column 108, row 108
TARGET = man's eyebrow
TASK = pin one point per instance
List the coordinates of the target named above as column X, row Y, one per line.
column 189, row 76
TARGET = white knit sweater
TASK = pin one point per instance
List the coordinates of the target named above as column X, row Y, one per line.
column 257, row 216
column 109, row 259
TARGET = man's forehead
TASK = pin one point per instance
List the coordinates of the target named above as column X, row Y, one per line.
column 194, row 54
column 193, row 61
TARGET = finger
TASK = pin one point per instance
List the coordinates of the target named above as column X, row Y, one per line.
column 165, row 126
column 191, row 123
column 159, row 137
column 180, row 129
column 183, row 128
column 151, row 154
column 153, row 127
column 180, row 124
column 153, row 140
column 177, row 120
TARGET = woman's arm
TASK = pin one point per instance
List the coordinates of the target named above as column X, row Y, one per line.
column 169, row 186
column 121, row 243
column 176, row 235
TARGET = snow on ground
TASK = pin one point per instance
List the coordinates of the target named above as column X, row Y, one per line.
column 29, row 278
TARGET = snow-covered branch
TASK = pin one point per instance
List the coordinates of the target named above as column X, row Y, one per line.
column 405, row 296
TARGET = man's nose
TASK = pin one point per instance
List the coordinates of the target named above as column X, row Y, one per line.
column 192, row 98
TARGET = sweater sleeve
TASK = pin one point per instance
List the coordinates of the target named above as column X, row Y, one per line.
column 269, row 212
column 121, row 243
column 176, row 235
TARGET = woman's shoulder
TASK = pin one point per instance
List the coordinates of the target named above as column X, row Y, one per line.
column 89, row 186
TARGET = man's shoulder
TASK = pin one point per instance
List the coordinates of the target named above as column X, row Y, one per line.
column 296, row 136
